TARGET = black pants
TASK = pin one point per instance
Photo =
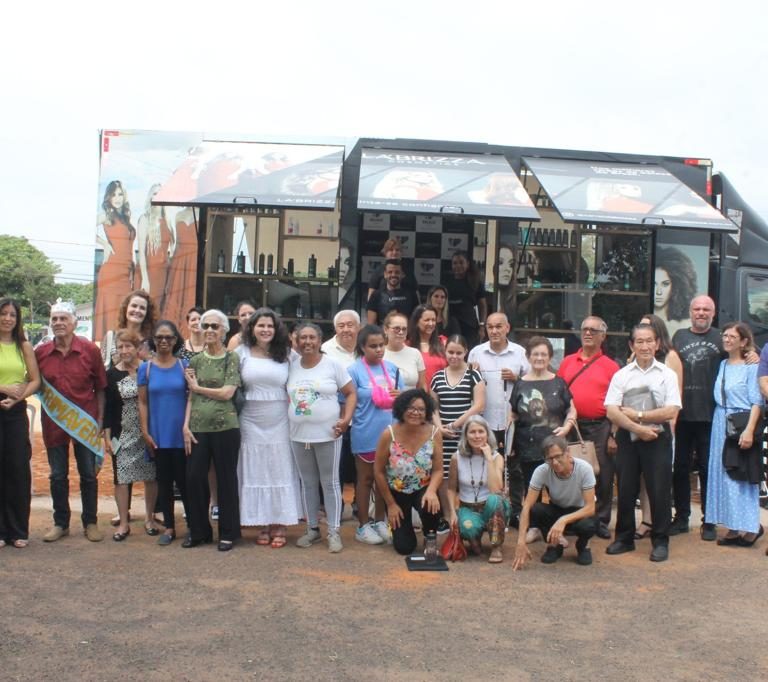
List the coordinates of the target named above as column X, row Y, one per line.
column 690, row 437
column 171, row 465
column 224, row 448
column 15, row 478
column 652, row 459
column 598, row 432
column 347, row 468
column 404, row 537
column 514, row 476
column 544, row 516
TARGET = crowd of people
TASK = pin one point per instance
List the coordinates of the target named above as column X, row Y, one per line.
column 433, row 425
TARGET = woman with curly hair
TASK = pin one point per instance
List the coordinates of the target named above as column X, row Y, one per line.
column 269, row 481
column 115, row 236
column 675, row 286
column 138, row 314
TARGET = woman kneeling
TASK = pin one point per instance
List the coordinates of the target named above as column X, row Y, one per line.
column 408, row 452
column 475, row 488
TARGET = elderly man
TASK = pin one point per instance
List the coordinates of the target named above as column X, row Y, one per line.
column 393, row 296
column 588, row 372
column 642, row 399
column 570, row 484
column 341, row 348
column 73, row 407
column 501, row 362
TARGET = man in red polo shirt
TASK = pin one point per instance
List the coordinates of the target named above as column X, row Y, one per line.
column 73, row 366
column 588, row 373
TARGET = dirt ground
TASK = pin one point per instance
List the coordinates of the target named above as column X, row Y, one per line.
column 76, row 610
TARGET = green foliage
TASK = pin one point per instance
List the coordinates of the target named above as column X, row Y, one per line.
column 27, row 275
column 77, row 292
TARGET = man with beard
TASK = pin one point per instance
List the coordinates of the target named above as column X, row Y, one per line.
column 392, row 296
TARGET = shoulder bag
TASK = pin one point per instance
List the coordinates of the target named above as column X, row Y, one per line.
column 584, row 449
column 735, row 422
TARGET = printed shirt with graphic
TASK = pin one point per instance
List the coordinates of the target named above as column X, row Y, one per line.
column 540, row 407
column 313, row 396
column 409, row 472
column 207, row 414
column 369, row 421
column 701, row 355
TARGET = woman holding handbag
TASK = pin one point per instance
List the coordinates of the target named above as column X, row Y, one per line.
column 735, row 466
column 475, row 489
column 377, row 383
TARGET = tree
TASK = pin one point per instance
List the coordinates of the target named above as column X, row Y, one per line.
column 77, row 292
column 27, row 275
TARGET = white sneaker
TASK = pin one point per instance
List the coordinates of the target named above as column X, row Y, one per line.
column 309, row 538
column 368, row 535
column 334, row 543
column 382, row 528
column 533, row 535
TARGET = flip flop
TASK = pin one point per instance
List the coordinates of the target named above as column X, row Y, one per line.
column 20, row 543
column 263, row 538
column 278, row 541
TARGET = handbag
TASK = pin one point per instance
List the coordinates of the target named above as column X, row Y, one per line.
column 584, row 449
column 453, row 548
column 380, row 395
column 735, row 422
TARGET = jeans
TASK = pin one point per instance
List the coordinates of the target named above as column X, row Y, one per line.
column 58, row 460
column 690, row 437
column 404, row 537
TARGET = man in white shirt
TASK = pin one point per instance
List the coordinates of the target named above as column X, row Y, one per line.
column 501, row 362
column 642, row 398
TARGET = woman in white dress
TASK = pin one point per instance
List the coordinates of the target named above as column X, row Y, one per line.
column 269, row 483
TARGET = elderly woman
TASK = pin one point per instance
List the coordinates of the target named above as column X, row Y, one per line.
column 269, row 482
column 122, row 435
column 409, row 450
column 476, row 500
column 735, row 463
column 212, row 432
column 20, row 379
column 162, row 405
column 317, row 424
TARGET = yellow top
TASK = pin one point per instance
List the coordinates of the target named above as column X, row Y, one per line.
column 13, row 370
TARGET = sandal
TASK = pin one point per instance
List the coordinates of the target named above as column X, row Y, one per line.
column 641, row 535
column 263, row 538
column 20, row 543
column 278, row 540
column 496, row 556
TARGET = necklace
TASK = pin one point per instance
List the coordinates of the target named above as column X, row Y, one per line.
column 476, row 488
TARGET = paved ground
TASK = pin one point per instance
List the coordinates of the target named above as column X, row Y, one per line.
column 133, row 610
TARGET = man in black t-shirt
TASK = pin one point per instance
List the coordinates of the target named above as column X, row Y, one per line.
column 392, row 296
column 701, row 350
column 465, row 293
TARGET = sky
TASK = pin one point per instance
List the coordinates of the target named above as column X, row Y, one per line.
column 673, row 78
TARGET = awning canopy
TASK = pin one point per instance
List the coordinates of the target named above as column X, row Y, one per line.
column 624, row 193
column 255, row 174
column 434, row 182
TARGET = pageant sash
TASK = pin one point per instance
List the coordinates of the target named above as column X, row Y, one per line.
column 72, row 419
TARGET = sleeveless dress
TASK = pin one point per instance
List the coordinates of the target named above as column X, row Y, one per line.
column 115, row 278
column 182, row 274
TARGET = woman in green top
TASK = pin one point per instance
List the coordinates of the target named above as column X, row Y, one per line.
column 19, row 379
column 212, row 432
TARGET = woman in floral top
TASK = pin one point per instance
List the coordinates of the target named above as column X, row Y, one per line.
column 407, row 453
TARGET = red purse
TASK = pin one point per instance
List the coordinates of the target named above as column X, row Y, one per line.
column 453, row 548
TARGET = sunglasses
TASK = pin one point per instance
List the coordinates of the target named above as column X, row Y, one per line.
column 164, row 337
column 210, row 325
column 591, row 330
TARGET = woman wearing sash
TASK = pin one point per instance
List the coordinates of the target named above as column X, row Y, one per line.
column 19, row 379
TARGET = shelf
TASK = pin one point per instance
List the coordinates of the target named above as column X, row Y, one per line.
column 569, row 289
column 533, row 247
column 276, row 278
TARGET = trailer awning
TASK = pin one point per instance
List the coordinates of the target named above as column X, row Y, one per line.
column 480, row 185
column 217, row 173
column 624, row 193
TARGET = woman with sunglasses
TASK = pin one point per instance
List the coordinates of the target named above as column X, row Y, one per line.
column 408, row 360
column 162, row 404
column 212, row 432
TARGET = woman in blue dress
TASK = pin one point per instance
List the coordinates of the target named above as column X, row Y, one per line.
column 731, row 502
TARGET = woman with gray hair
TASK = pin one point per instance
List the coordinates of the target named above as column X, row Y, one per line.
column 212, row 432
column 475, row 489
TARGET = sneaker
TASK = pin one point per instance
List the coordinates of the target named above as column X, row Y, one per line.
column 679, row 525
column 309, row 538
column 215, row 513
column 93, row 533
column 368, row 535
column 382, row 528
column 334, row 543
column 552, row 554
column 443, row 528
column 584, row 557
column 56, row 533
column 533, row 535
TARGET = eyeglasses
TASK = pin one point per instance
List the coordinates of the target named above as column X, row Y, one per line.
column 555, row 458
column 211, row 325
column 164, row 337
column 416, row 410
column 591, row 330
column 732, row 337
column 399, row 330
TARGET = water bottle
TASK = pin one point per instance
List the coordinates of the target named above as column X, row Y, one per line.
column 430, row 547
column 220, row 261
